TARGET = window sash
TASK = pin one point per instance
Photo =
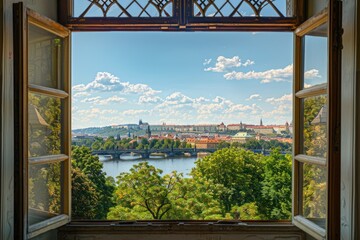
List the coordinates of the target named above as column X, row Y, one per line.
column 332, row 16
column 22, row 18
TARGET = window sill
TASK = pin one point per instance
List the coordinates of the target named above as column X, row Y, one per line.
column 193, row 230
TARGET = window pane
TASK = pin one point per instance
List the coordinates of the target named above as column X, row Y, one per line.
column 315, row 126
column 240, row 8
column 44, row 191
column 316, row 55
column 314, row 193
column 44, row 125
column 45, row 58
column 122, row 9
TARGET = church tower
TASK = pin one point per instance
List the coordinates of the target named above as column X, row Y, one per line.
column 148, row 132
column 261, row 122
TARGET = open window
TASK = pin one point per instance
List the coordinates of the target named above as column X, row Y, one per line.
column 42, row 118
column 42, row 108
column 316, row 160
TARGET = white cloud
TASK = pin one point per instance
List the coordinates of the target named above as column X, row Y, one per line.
column 223, row 64
column 149, row 99
column 103, row 81
column 267, row 76
column 311, row 74
column 272, row 75
column 106, row 82
column 254, row 97
column 283, row 99
column 178, row 97
column 135, row 112
column 91, row 100
column 100, row 101
column 94, row 117
column 248, row 63
column 81, row 94
column 201, row 100
column 207, row 61
column 238, row 108
column 139, row 89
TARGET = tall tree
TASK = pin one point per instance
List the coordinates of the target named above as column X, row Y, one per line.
column 276, row 186
column 237, row 171
column 91, row 166
column 85, row 197
column 144, row 192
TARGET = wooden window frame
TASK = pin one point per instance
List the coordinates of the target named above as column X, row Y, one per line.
column 333, row 91
column 22, row 18
column 182, row 20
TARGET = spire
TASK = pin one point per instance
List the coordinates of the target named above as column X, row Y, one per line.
column 261, row 122
column 148, row 131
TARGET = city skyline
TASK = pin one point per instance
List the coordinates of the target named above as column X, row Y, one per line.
column 230, row 77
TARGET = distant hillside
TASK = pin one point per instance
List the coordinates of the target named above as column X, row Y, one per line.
column 108, row 131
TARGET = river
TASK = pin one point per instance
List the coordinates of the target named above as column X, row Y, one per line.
column 114, row 167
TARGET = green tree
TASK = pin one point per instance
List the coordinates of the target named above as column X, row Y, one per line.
column 97, row 145
column 85, row 197
column 223, row 144
column 145, row 192
column 237, row 171
column 276, row 186
column 92, row 168
column 109, row 144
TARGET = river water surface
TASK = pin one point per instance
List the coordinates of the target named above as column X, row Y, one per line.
column 182, row 165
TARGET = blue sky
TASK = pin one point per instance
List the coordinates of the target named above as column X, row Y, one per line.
column 186, row 77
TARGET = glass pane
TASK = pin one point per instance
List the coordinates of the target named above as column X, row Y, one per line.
column 45, row 58
column 316, row 56
column 315, row 126
column 122, row 9
column 44, row 191
column 314, row 193
column 240, row 8
column 44, row 125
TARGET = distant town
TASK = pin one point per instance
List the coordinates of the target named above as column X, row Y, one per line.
column 201, row 136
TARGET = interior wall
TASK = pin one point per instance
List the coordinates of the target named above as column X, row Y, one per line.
column 49, row 9
column 1, row 81
column 313, row 7
column 356, row 169
column 350, row 108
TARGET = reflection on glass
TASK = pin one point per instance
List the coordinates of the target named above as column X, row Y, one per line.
column 44, row 191
column 316, row 56
column 314, row 193
column 315, row 126
column 44, row 125
column 45, row 57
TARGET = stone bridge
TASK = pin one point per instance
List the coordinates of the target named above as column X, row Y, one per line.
column 145, row 153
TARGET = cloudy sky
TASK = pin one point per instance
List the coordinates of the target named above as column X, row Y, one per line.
column 186, row 78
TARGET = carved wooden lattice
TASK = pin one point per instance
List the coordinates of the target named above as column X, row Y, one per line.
column 123, row 8
column 237, row 8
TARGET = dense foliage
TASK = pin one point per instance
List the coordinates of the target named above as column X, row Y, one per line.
column 84, row 162
column 112, row 143
column 258, row 145
column 230, row 184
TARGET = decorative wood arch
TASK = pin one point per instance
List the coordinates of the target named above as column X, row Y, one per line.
column 180, row 15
